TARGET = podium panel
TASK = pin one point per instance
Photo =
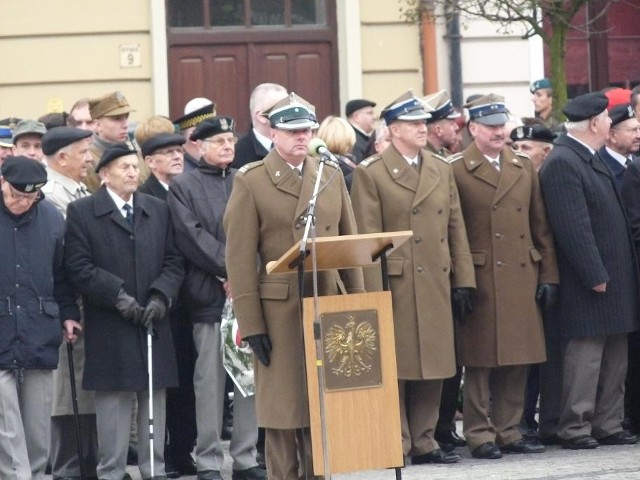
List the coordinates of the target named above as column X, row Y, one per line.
column 362, row 419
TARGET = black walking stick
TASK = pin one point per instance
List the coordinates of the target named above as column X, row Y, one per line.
column 76, row 416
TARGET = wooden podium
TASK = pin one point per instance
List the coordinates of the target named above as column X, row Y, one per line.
column 349, row 340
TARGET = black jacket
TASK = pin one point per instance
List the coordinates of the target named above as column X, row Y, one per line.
column 104, row 254
column 34, row 294
column 248, row 150
column 197, row 201
column 593, row 244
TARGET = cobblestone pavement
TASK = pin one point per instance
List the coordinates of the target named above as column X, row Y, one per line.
column 603, row 463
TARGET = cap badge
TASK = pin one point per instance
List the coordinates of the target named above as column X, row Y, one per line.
column 224, row 125
column 28, row 188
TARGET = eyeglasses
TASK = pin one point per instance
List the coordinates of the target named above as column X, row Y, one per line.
column 20, row 197
column 221, row 141
column 628, row 129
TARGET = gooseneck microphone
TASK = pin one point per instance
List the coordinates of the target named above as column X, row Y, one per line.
column 318, row 147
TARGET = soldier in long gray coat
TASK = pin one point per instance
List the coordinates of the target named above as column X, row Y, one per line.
column 599, row 292
column 264, row 218
column 408, row 188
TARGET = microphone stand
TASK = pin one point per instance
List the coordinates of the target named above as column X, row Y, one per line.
column 310, row 232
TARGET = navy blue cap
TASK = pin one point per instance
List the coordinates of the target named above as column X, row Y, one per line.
column 60, row 137
column 441, row 107
column 213, row 126
column 23, row 173
column 114, row 153
column 584, row 107
column 193, row 118
column 406, row 107
column 539, row 133
column 488, row 110
column 160, row 141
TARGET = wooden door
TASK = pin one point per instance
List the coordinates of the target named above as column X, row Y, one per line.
column 224, row 63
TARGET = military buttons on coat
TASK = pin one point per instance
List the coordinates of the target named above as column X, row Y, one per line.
column 522, row 235
column 417, row 239
column 498, row 235
column 440, row 212
column 523, row 264
column 420, row 269
column 495, row 207
column 499, row 263
column 415, row 211
column 297, row 226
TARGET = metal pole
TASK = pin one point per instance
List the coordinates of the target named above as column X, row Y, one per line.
column 76, row 415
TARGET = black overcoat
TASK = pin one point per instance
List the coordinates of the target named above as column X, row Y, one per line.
column 104, row 254
column 593, row 244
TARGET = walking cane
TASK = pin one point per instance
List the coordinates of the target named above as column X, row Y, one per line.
column 150, row 370
column 76, row 416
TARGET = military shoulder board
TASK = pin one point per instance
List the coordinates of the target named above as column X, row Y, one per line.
column 455, row 157
column 248, row 166
column 439, row 157
column 368, row 161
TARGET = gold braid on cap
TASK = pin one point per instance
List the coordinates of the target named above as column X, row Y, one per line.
column 192, row 122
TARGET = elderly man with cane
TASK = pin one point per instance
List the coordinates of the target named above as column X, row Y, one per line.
column 120, row 255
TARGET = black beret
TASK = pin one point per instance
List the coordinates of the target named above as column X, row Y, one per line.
column 60, row 137
column 160, row 141
column 213, row 126
column 23, row 173
column 620, row 113
column 539, row 133
column 584, row 107
column 355, row 105
column 114, row 153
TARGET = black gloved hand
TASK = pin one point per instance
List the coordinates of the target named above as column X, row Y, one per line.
column 156, row 309
column 461, row 302
column 128, row 307
column 261, row 346
column 547, row 295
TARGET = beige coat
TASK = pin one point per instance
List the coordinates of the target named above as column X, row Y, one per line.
column 390, row 195
column 513, row 251
column 61, row 191
column 263, row 220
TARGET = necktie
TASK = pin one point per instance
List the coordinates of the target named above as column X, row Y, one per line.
column 81, row 192
column 628, row 162
column 496, row 164
column 129, row 213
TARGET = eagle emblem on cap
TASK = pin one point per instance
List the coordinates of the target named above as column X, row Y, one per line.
column 520, row 132
column 29, row 187
column 224, row 125
column 630, row 111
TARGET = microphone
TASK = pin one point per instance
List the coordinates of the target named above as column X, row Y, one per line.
column 318, row 147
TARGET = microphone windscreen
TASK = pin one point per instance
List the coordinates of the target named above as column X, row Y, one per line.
column 315, row 145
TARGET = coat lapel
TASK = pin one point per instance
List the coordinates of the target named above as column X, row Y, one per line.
column 104, row 205
column 282, row 175
column 479, row 167
column 510, row 172
column 429, row 178
column 399, row 169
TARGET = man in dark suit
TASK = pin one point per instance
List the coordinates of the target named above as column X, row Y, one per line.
column 622, row 143
column 256, row 144
column 598, row 299
column 120, row 255
column 362, row 117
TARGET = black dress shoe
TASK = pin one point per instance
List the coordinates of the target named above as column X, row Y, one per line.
column 171, row 470
column 253, row 473
column 581, row 442
column 522, row 446
column 450, row 437
column 132, row 455
column 436, row 456
column 619, row 438
column 487, row 451
column 550, row 440
column 185, row 465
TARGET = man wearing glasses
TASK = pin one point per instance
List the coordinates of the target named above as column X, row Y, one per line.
column 36, row 303
column 197, row 201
